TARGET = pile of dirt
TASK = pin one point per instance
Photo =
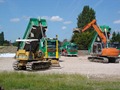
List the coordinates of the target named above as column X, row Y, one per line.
column 8, row 49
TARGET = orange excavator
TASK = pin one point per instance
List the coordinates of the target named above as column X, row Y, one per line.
column 101, row 52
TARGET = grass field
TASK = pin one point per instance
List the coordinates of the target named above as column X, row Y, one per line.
column 31, row 81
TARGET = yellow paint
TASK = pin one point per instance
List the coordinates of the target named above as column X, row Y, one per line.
column 57, row 56
column 55, row 63
column 21, row 51
column 23, row 55
column 46, row 52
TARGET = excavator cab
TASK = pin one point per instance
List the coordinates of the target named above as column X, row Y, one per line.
column 97, row 48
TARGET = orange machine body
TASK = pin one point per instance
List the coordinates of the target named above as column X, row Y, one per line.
column 110, row 52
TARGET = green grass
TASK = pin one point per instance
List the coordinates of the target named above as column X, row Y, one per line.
column 34, row 81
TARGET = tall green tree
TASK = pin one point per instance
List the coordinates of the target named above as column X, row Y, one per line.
column 86, row 16
column 84, row 39
column 1, row 38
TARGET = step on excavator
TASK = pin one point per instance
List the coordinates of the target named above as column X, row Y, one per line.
column 36, row 51
column 100, row 50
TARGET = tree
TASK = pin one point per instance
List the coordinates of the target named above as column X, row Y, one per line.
column 83, row 40
column 115, row 37
column 6, row 43
column 1, row 38
column 15, row 43
column 87, row 15
column 118, row 37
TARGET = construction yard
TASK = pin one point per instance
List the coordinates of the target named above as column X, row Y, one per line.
column 72, row 65
column 59, row 45
column 74, row 73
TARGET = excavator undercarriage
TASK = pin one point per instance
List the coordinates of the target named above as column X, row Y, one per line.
column 31, row 65
column 104, row 59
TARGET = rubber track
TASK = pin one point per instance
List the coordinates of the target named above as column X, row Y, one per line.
column 98, row 59
column 15, row 65
column 37, row 65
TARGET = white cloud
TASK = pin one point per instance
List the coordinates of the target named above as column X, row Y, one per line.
column 64, row 27
column 2, row 1
column 117, row 22
column 52, row 18
column 14, row 20
column 56, row 19
column 67, row 22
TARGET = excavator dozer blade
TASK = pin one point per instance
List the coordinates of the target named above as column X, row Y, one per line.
column 55, row 63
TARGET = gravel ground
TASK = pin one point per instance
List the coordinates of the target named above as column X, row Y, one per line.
column 73, row 65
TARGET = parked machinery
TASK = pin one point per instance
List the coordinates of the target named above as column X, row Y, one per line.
column 33, row 50
column 69, row 49
column 100, row 50
column 106, row 30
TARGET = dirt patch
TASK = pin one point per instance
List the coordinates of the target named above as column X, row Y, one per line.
column 8, row 49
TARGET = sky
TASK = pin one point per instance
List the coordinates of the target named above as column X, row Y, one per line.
column 61, row 15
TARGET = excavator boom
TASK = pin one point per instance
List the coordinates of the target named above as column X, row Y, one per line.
column 97, row 29
column 88, row 25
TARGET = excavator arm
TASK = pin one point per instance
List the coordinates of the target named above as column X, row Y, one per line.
column 97, row 29
column 35, row 30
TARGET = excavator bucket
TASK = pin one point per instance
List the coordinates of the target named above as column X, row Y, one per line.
column 77, row 30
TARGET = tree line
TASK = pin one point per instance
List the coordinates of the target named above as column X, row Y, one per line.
column 115, row 37
column 3, row 42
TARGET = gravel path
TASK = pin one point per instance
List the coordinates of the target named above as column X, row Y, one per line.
column 71, row 65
